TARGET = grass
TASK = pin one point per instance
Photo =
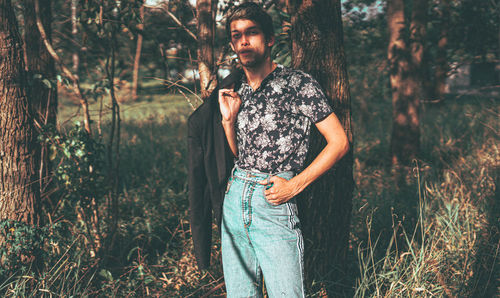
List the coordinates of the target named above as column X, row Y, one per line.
column 437, row 235
column 154, row 103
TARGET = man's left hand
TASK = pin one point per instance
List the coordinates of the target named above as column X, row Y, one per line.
column 281, row 190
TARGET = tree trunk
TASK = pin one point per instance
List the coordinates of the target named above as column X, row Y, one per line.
column 137, row 60
column 405, row 138
column 442, row 66
column 418, row 36
column 74, row 33
column 317, row 48
column 206, row 11
column 40, row 66
column 19, row 192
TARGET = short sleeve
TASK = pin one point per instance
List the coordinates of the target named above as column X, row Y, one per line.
column 311, row 101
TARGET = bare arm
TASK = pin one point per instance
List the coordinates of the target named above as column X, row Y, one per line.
column 337, row 146
column 229, row 104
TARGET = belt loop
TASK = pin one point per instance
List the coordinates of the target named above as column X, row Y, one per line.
column 232, row 171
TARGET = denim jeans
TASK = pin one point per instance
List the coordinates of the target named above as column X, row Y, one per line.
column 260, row 240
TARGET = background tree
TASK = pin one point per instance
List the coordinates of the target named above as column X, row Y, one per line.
column 405, row 55
column 74, row 35
column 42, row 78
column 206, row 11
column 138, row 50
column 317, row 48
column 438, row 89
column 19, row 191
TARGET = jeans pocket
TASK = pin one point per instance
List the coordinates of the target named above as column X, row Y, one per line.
column 274, row 206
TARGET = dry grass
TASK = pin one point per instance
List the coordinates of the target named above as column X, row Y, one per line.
column 436, row 235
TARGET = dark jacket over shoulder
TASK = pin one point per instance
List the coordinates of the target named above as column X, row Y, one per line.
column 210, row 163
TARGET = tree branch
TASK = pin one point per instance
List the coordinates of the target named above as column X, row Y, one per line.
column 66, row 71
column 176, row 20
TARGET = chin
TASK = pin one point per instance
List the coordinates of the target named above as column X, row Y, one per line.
column 250, row 63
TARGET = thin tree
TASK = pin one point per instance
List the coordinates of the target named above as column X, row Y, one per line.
column 418, row 36
column 206, row 11
column 138, row 50
column 41, row 74
column 74, row 78
column 19, row 192
column 325, row 209
column 74, row 33
column 405, row 66
column 442, row 67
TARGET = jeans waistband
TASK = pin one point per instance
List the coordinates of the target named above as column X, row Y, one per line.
column 256, row 176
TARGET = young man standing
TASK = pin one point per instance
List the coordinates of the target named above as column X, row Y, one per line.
column 267, row 123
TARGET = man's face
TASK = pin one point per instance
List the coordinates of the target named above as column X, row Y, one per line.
column 249, row 43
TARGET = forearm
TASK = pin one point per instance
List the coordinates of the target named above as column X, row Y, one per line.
column 337, row 146
column 230, row 136
column 332, row 153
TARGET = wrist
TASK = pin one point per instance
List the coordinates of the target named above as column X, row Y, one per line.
column 298, row 184
column 227, row 122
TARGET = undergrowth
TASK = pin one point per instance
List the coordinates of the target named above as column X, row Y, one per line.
column 436, row 235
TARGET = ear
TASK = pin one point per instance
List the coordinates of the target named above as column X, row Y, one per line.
column 270, row 42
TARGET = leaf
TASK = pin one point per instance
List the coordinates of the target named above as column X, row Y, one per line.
column 47, row 83
column 148, row 280
column 79, row 153
column 106, row 274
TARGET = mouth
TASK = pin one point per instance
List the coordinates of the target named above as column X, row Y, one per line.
column 245, row 52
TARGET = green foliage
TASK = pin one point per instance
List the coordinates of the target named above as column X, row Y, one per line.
column 59, row 268
column 20, row 243
column 81, row 163
column 474, row 27
column 282, row 49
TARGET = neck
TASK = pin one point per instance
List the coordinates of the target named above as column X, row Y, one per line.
column 255, row 75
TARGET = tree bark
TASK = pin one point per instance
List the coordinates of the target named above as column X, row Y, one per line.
column 137, row 60
column 19, row 192
column 206, row 11
column 74, row 33
column 325, row 207
column 40, row 66
column 405, row 138
column 418, row 37
column 442, row 66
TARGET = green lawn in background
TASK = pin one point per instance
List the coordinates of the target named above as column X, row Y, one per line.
column 154, row 102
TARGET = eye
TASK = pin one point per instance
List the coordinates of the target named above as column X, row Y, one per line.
column 236, row 36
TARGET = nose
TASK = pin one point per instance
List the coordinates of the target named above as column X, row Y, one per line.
column 244, row 40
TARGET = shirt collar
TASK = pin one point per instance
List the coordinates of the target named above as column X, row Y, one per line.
column 272, row 75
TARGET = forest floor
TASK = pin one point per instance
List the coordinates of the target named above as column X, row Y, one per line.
column 438, row 234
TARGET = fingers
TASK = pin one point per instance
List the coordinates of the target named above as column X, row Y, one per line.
column 276, row 184
column 229, row 98
column 229, row 103
column 276, row 199
column 279, row 192
column 228, row 93
column 270, row 181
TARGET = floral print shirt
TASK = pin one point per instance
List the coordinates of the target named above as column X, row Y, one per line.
column 274, row 121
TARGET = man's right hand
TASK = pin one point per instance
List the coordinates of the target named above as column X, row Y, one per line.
column 229, row 104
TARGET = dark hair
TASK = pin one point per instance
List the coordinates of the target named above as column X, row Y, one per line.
column 253, row 12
